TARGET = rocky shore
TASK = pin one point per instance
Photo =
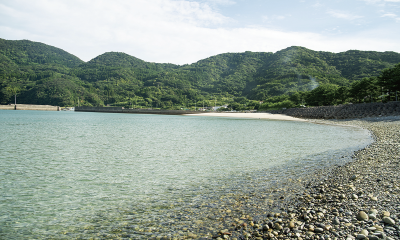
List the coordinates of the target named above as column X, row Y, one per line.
column 359, row 200
column 350, row 197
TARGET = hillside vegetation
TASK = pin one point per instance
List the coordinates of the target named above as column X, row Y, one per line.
column 41, row 74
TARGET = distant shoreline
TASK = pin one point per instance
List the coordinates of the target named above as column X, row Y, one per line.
column 248, row 115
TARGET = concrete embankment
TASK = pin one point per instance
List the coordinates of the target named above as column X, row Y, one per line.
column 30, row 107
column 7, row 107
column 137, row 111
column 347, row 111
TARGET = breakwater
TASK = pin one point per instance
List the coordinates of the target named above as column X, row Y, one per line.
column 137, row 111
column 30, row 107
column 347, row 111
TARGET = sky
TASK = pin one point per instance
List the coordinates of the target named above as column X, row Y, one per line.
column 186, row 31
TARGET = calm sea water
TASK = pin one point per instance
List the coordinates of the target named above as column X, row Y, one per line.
column 62, row 171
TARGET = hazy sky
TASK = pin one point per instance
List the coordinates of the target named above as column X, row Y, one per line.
column 185, row 31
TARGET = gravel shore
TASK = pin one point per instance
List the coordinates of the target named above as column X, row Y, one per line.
column 358, row 200
column 347, row 197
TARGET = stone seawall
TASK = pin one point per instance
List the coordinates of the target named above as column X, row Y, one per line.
column 137, row 111
column 7, row 107
column 30, row 107
column 360, row 110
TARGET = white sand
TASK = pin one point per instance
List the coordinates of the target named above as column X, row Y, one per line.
column 248, row 115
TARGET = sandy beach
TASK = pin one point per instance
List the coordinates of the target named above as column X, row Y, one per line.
column 248, row 115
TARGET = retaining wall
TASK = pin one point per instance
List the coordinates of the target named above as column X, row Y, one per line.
column 30, row 107
column 7, row 107
column 360, row 110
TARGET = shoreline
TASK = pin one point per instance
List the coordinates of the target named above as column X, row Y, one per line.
column 268, row 116
column 357, row 200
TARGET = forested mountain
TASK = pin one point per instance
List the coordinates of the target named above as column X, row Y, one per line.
column 42, row 74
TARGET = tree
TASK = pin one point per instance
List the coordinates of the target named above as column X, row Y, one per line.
column 323, row 95
column 342, row 94
column 363, row 89
column 14, row 90
column 389, row 78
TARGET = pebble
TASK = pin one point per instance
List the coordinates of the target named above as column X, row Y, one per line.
column 364, row 232
column 362, row 216
column 388, row 220
column 386, row 214
column 361, row 236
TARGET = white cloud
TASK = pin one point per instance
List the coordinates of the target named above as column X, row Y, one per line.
column 221, row 2
column 381, row 2
column 343, row 15
column 317, row 5
column 392, row 15
column 275, row 17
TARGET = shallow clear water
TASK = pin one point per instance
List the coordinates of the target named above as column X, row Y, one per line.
column 72, row 172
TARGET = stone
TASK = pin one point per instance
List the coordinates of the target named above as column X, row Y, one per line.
column 328, row 227
column 318, row 230
column 309, row 233
column 191, row 235
column 336, row 221
column 354, row 196
column 373, row 237
column 386, row 214
column 292, row 224
column 361, row 236
column 277, row 226
column 380, row 234
column 286, row 230
column 388, row 220
column 265, row 227
column 374, row 211
column 362, row 216
column 354, row 177
column 378, row 228
column 364, row 232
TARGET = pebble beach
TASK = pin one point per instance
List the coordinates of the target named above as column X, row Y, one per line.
column 357, row 200
column 354, row 198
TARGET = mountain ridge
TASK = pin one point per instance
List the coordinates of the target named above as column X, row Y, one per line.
column 119, row 78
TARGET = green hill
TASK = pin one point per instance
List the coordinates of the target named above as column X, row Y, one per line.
column 43, row 74
column 25, row 52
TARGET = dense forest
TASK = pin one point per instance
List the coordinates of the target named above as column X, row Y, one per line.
column 37, row 73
